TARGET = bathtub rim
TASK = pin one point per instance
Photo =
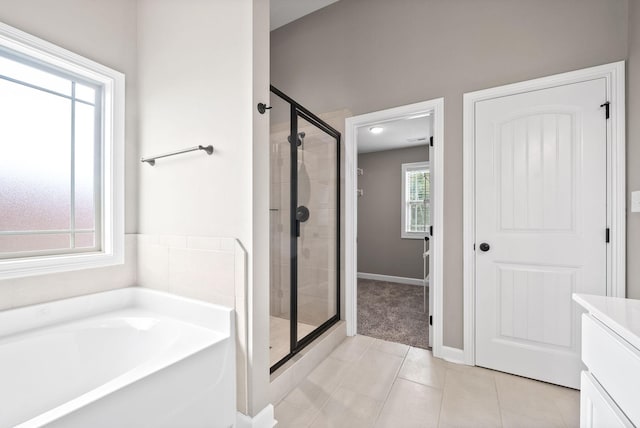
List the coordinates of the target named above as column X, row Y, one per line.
column 219, row 319
column 47, row 314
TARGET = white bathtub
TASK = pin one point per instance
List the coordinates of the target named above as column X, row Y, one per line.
column 125, row 358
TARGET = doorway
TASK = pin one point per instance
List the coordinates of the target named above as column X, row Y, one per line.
column 544, row 209
column 364, row 123
column 304, row 229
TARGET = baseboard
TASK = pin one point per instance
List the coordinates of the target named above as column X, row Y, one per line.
column 264, row 419
column 389, row 278
column 452, row 355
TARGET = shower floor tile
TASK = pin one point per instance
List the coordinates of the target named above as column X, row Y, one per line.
column 279, row 330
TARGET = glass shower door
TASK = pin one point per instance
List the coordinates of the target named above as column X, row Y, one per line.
column 316, row 226
column 305, row 227
column 279, row 233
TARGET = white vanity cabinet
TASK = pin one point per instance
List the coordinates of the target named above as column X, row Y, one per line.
column 610, row 387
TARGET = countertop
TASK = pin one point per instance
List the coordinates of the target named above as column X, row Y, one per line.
column 620, row 315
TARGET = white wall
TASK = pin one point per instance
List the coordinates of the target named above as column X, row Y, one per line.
column 104, row 31
column 198, row 71
column 196, row 88
column 259, row 260
column 204, row 67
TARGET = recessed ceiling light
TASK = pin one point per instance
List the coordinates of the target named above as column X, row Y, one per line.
column 376, row 129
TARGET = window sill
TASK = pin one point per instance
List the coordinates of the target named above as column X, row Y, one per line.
column 407, row 236
column 31, row 266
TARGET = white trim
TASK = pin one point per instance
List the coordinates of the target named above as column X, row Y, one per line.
column 390, row 278
column 406, row 167
column 452, row 355
column 112, row 205
column 351, row 224
column 264, row 419
column 616, row 262
column 436, row 106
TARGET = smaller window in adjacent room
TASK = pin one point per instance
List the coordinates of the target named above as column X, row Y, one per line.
column 416, row 191
column 61, row 159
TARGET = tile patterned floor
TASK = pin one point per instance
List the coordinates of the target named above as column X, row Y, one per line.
column 368, row 382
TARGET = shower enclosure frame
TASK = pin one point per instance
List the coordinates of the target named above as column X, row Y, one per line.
column 299, row 111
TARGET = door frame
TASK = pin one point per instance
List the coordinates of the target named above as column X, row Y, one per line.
column 614, row 74
column 436, row 106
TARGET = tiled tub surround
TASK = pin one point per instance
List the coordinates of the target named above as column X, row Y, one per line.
column 204, row 268
column 368, row 382
column 96, row 360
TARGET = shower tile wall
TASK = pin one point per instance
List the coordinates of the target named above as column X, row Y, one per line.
column 280, row 228
column 317, row 189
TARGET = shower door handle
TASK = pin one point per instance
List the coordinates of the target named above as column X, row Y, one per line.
column 302, row 215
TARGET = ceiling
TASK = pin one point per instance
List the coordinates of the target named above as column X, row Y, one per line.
column 396, row 134
column 286, row 11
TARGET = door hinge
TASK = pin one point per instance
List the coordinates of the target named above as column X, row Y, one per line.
column 430, row 230
column 474, row 247
column 431, row 141
column 606, row 235
column 607, row 107
column 430, row 319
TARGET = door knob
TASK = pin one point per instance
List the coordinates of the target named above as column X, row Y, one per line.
column 484, row 247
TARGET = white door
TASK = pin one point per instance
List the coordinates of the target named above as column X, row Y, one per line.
column 540, row 226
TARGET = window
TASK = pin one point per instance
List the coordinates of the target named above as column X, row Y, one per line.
column 416, row 193
column 61, row 162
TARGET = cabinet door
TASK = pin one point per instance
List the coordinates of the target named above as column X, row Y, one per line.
column 597, row 409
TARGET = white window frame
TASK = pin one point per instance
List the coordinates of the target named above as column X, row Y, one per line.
column 111, row 204
column 406, row 167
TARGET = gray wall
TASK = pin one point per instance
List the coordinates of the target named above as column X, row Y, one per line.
column 380, row 248
column 633, row 149
column 369, row 55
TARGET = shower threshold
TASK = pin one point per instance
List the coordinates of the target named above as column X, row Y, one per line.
column 279, row 330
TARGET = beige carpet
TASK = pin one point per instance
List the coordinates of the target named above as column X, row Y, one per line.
column 392, row 312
